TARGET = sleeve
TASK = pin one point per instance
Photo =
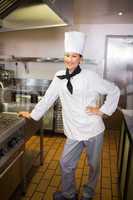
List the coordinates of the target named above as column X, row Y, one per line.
column 47, row 100
column 112, row 93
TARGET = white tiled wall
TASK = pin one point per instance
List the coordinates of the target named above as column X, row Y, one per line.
column 50, row 43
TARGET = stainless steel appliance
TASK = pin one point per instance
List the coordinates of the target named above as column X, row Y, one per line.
column 2, row 66
column 26, row 93
column 53, row 12
column 33, row 151
column 6, row 76
column 119, row 66
column 29, row 89
column 15, row 132
column 48, row 120
column 11, row 153
column 58, row 122
column 119, row 69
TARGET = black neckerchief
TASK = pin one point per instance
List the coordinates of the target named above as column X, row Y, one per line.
column 69, row 76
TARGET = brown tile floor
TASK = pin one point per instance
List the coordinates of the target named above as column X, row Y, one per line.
column 47, row 178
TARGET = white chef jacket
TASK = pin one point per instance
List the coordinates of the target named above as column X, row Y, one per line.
column 87, row 85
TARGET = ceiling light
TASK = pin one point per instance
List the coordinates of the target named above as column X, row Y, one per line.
column 120, row 13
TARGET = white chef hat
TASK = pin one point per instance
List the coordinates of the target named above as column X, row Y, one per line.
column 75, row 42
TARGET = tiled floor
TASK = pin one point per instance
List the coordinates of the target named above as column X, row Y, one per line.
column 47, row 178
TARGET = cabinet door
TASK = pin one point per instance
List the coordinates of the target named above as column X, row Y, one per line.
column 11, row 176
column 129, row 193
column 121, row 143
column 124, row 165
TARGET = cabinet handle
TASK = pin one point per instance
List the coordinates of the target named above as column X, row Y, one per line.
column 11, row 164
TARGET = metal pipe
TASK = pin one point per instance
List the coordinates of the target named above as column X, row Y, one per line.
column 1, row 84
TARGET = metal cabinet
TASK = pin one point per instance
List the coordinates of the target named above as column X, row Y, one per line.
column 12, row 175
column 125, row 163
column 121, row 142
column 129, row 192
column 124, row 166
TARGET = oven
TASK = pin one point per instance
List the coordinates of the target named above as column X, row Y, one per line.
column 11, row 153
column 17, row 151
column 12, row 174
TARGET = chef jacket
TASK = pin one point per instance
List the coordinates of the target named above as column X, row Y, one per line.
column 87, row 86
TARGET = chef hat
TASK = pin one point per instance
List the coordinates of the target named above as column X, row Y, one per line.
column 75, row 42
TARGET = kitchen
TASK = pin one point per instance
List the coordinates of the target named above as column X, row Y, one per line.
column 36, row 54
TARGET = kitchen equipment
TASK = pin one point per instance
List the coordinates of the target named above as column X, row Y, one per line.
column 11, row 153
column 24, row 96
column 26, row 93
column 32, row 149
column 19, row 14
column 2, row 66
column 6, row 76
column 119, row 69
column 48, row 120
column 30, row 86
column 58, row 122
column 15, row 132
column 15, row 107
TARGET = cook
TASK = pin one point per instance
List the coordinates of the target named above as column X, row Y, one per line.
column 78, row 90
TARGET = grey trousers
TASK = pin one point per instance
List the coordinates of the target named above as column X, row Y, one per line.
column 69, row 159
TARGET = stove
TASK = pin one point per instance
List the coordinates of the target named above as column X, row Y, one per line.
column 11, row 135
column 15, row 133
column 11, row 153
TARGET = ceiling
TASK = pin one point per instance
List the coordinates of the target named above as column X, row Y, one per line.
column 103, row 11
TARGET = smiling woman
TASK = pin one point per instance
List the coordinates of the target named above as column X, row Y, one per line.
column 82, row 119
column 72, row 60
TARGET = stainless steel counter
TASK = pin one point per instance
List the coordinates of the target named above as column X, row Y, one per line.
column 15, row 132
column 125, row 156
column 128, row 116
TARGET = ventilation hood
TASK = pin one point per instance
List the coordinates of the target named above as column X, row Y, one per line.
column 35, row 14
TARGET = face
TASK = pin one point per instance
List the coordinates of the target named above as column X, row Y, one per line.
column 72, row 60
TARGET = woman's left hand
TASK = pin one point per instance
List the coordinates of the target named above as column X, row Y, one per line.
column 94, row 110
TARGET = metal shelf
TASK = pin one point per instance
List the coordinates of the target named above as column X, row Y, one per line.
column 42, row 60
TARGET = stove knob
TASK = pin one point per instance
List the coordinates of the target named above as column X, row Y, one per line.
column 12, row 143
column 2, row 153
column 18, row 138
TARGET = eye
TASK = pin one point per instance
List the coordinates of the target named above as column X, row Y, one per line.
column 66, row 55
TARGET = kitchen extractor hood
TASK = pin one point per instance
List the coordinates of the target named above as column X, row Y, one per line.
column 36, row 14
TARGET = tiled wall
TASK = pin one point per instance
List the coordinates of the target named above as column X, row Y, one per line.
column 50, row 43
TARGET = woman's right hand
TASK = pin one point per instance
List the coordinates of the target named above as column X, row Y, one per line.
column 24, row 114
